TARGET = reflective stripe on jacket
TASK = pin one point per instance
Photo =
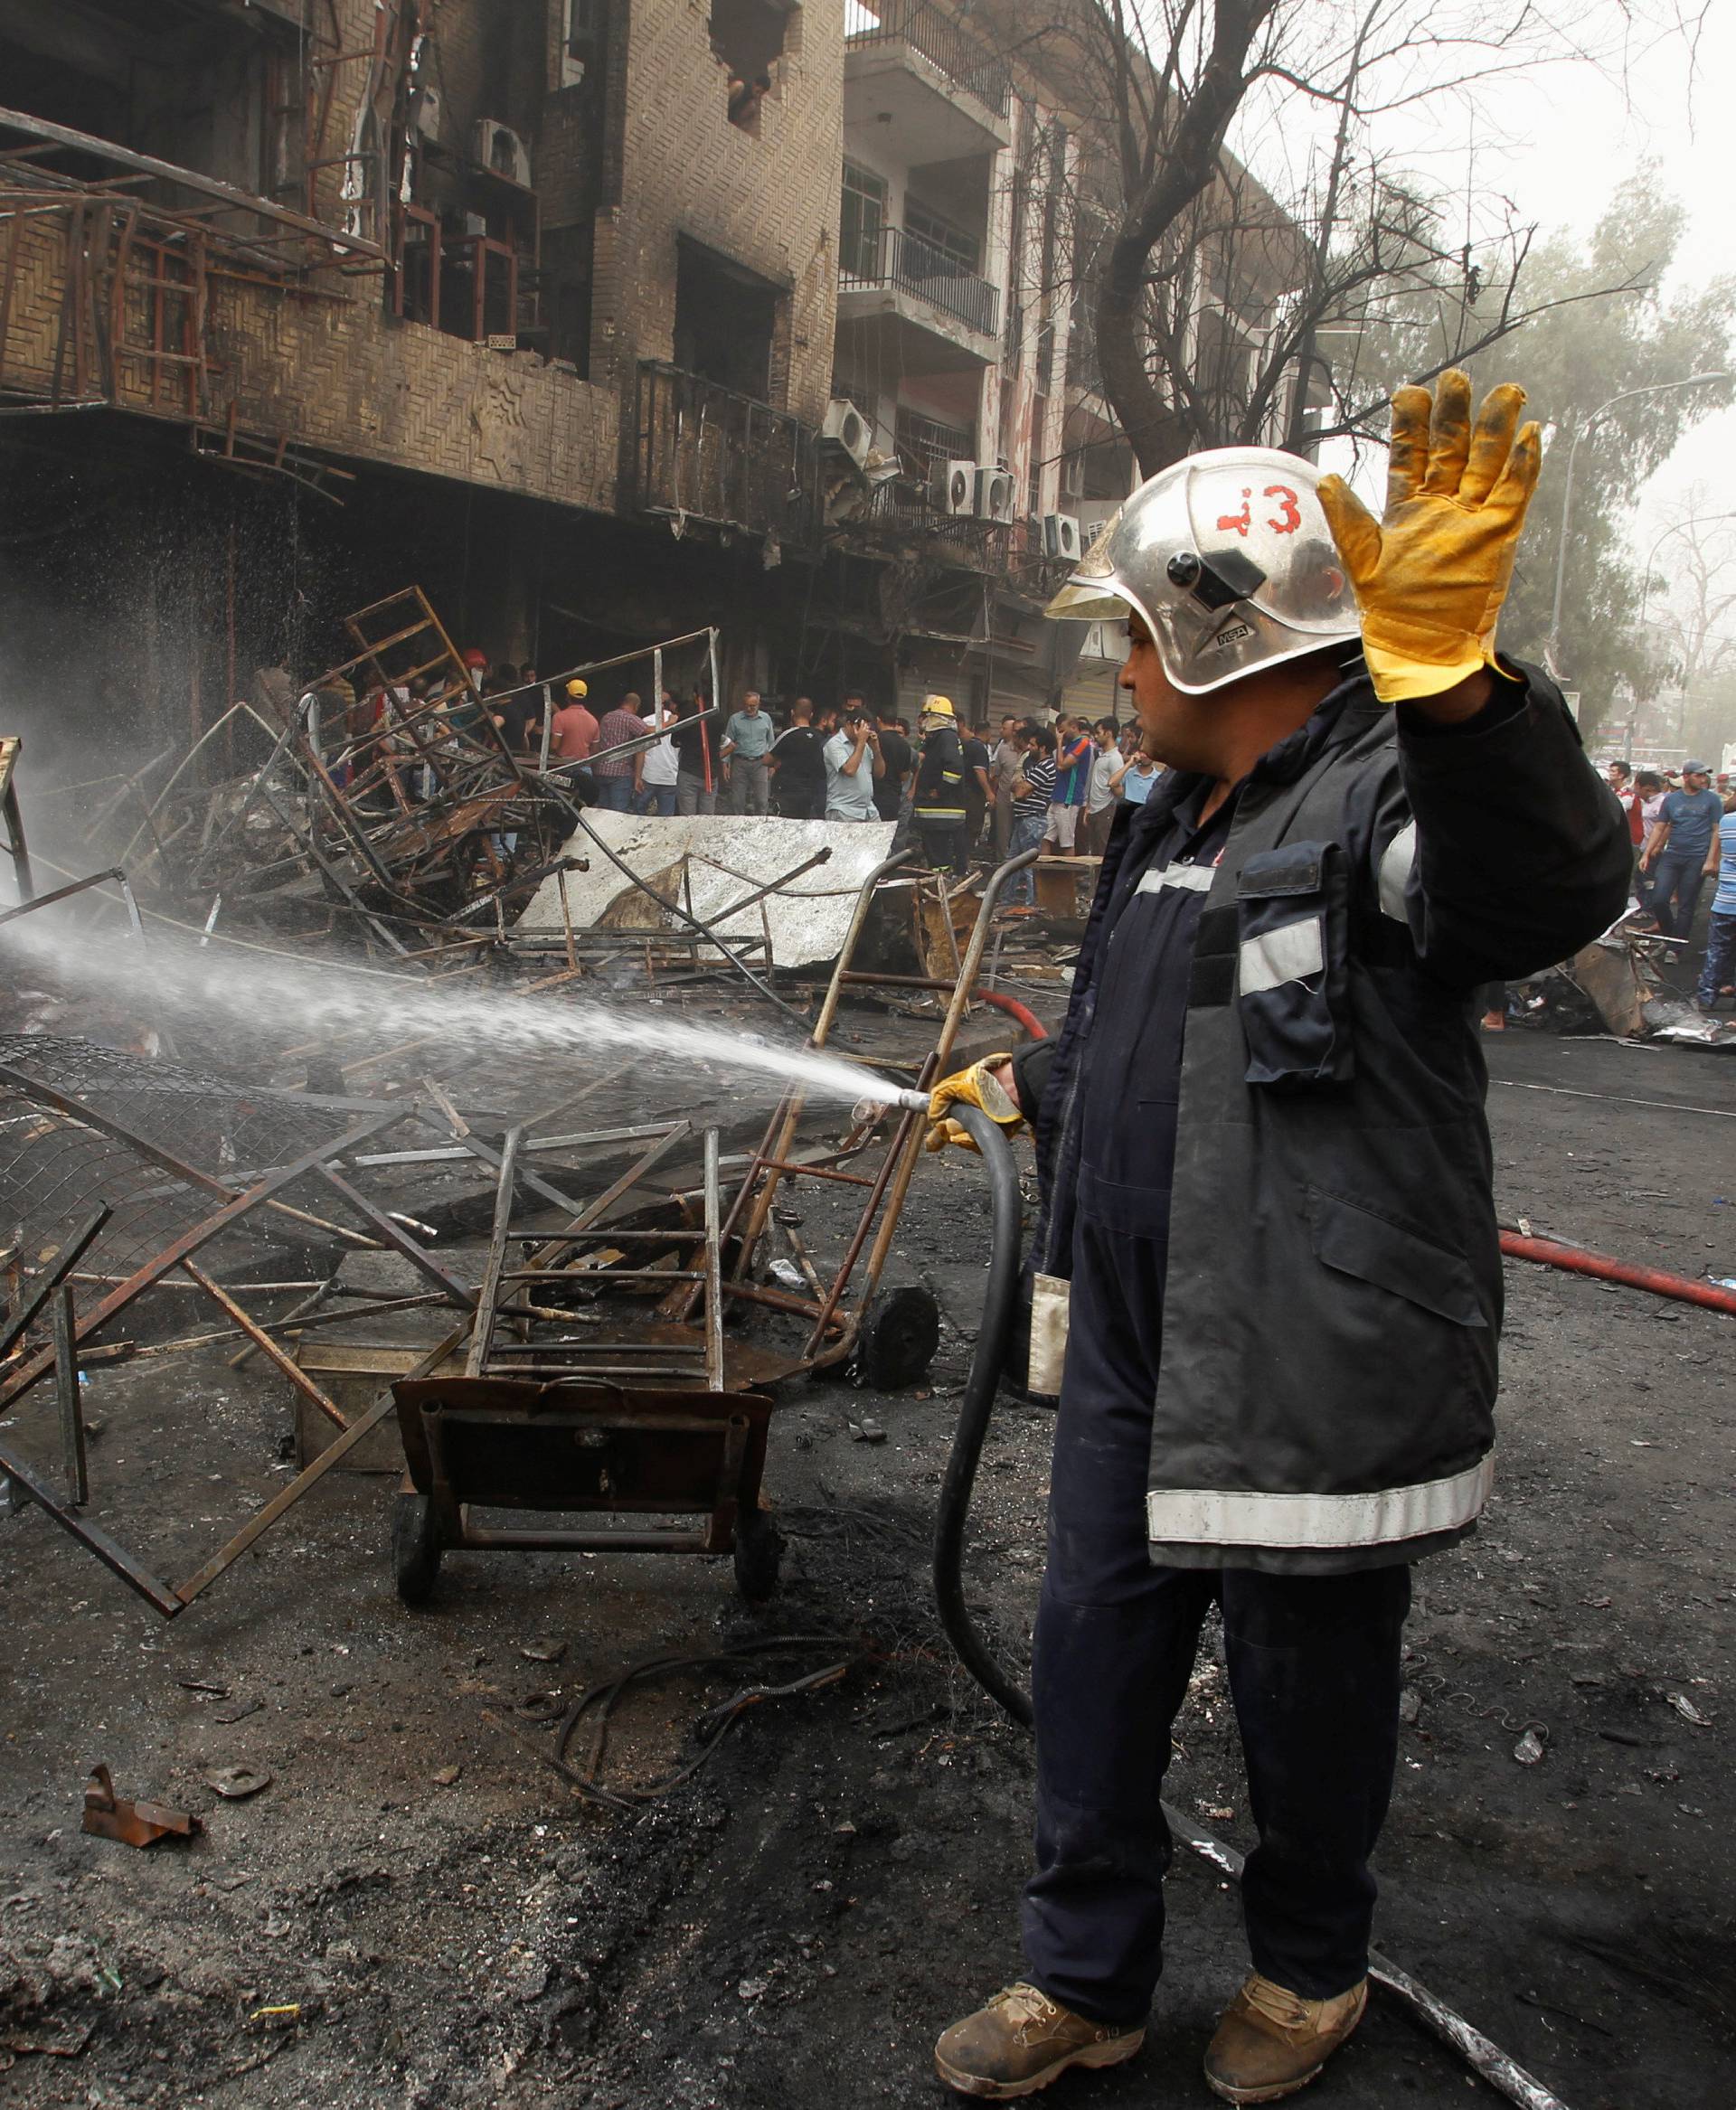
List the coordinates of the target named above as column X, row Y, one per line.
column 938, row 794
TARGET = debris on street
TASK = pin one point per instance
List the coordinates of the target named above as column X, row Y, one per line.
column 107, row 1815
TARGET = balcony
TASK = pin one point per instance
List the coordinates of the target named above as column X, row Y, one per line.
column 891, row 280
column 906, row 64
column 707, row 453
column 903, row 510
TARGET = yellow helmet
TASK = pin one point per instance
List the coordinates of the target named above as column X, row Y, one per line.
column 577, row 691
column 937, row 707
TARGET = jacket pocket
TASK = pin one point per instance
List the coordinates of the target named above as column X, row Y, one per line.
column 1292, row 975
column 1375, row 1249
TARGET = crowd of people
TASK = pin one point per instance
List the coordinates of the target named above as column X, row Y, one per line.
column 967, row 792
column 1682, row 828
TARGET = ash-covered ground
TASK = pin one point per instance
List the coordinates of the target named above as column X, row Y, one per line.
column 417, row 1911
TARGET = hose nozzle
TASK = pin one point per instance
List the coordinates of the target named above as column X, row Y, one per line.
column 871, row 1107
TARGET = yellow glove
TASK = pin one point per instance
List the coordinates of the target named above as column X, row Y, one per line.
column 1431, row 576
column 975, row 1087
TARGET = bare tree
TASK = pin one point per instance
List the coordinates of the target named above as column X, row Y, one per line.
column 1223, row 311
column 1693, row 583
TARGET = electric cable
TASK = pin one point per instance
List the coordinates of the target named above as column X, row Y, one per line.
column 600, row 1701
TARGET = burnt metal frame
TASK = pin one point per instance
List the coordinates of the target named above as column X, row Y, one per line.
column 72, row 1334
column 738, row 1418
column 507, row 1292
column 496, row 1392
column 888, row 1183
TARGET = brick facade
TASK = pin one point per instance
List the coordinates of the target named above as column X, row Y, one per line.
column 342, row 375
column 767, row 200
column 351, row 379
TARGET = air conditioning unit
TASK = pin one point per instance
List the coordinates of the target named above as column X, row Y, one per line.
column 997, row 492
column 846, row 428
column 428, row 112
column 958, row 489
column 496, row 147
column 1061, row 536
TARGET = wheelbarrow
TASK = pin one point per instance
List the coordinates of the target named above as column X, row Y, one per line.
column 580, row 1448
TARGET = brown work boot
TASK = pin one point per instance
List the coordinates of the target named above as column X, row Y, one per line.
column 1022, row 2040
column 1270, row 2042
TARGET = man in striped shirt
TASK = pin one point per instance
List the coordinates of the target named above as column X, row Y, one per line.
column 1032, row 790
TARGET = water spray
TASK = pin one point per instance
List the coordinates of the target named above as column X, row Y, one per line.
column 189, row 984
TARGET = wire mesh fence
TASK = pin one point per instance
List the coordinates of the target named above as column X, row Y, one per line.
column 119, row 1131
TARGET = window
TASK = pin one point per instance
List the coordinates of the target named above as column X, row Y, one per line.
column 726, row 317
column 953, row 247
column 861, row 222
column 748, row 38
column 584, row 27
column 1033, row 483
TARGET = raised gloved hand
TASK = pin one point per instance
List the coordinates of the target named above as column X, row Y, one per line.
column 975, row 1087
column 1431, row 575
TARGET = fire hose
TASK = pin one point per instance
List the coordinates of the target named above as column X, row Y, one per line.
column 1580, row 1260
column 1000, row 1306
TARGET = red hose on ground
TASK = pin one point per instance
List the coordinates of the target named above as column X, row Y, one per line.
column 1545, row 1252
column 1014, row 1009
column 1576, row 1260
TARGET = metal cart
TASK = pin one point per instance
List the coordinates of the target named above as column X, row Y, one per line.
column 567, row 1407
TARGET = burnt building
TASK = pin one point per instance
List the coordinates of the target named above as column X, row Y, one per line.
column 602, row 320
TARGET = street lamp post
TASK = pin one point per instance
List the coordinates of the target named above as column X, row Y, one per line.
column 1676, row 528
column 1651, row 389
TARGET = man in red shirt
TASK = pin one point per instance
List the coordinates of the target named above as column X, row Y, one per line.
column 1621, row 782
column 573, row 734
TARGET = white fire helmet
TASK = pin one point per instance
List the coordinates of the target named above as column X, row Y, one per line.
column 1228, row 557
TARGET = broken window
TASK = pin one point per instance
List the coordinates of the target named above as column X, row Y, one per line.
column 725, row 320
column 749, row 37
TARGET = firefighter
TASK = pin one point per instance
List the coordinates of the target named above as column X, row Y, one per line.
column 938, row 799
column 1265, row 1279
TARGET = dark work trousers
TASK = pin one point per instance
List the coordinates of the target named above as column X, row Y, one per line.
column 1680, row 874
column 1719, row 966
column 943, row 845
column 1314, row 1674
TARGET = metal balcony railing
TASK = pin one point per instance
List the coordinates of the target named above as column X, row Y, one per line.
column 967, row 64
column 902, row 508
column 893, row 258
column 708, row 453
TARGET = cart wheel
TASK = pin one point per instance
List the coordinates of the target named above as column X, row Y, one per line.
column 899, row 1339
column 759, row 1554
column 415, row 1549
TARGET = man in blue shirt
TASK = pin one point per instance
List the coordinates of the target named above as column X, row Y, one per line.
column 747, row 743
column 1075, row 752
column 1676, row 850
column 1720, row 968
